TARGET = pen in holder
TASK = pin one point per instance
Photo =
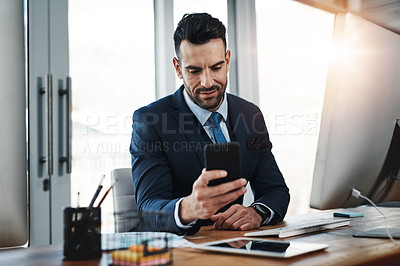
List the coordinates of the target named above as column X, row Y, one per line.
column 82, row 233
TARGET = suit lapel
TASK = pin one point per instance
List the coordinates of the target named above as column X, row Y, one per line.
column 188, row 124
column 238, row 128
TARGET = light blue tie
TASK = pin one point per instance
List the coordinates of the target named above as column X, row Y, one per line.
column 214, row 119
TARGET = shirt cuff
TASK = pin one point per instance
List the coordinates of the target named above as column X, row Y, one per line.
column 178, row 220
column 270, row 210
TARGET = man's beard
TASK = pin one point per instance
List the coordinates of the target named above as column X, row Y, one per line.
column 204, row 103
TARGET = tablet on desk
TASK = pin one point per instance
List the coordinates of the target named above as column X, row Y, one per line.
column 261, row 247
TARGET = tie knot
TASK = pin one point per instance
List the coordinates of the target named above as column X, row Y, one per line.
column 215, row 118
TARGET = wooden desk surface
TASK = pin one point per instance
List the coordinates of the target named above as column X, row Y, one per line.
column 344, row 249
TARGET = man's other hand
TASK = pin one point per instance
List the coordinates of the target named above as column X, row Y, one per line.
column 237, row 217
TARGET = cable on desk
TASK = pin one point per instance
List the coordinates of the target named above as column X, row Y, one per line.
column 357, row 194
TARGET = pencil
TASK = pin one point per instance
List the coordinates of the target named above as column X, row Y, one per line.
column 105, row 194
column 96, row 194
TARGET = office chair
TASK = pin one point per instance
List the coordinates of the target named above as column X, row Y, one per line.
column 125, row 208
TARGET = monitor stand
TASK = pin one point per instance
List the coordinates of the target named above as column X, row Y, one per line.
column 389, row 204
column 379, row 233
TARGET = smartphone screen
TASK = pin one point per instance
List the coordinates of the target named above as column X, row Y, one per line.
column 223, row 156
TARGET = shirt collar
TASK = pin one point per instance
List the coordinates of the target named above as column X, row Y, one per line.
column 202, row 114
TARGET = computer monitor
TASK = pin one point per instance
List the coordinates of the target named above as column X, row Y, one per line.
column 14, row 228
column 359, row 141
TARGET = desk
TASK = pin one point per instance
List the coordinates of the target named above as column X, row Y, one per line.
column 343, row 248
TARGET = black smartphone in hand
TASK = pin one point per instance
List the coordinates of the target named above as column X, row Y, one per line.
column 223, row 156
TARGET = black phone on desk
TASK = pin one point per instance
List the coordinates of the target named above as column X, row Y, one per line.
column 223, row 156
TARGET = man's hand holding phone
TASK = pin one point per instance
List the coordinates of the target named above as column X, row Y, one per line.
column 218, row 185
column 205, row 200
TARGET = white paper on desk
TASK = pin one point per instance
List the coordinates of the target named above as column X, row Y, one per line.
column 124, row 240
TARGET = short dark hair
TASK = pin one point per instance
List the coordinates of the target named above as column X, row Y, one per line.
column 198, row 28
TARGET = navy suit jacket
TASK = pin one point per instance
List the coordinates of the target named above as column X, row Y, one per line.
column 167, row 158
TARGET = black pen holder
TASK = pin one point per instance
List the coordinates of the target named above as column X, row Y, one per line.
column 82, row 233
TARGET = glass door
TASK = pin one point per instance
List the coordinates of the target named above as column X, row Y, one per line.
column 48, row 75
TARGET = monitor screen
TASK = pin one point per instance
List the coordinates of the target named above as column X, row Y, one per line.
column 359, row 142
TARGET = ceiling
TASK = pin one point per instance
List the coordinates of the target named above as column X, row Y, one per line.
column 385, row 13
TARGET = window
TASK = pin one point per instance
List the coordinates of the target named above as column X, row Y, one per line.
column 112, row 70
column 293, row 49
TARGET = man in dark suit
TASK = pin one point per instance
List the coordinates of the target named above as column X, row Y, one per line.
column 169, row 135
